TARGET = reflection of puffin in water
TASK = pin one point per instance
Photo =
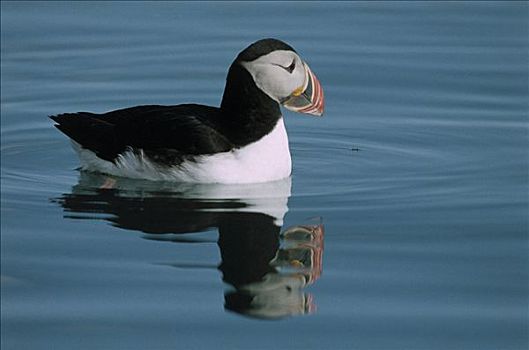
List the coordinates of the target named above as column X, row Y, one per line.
column 267, row 269
column 276, row 291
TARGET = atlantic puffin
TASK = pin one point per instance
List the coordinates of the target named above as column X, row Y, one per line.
column 242, row 141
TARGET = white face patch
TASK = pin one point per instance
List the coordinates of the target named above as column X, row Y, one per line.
column 271, row 73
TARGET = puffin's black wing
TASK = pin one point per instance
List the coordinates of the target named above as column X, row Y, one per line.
column 165, row 133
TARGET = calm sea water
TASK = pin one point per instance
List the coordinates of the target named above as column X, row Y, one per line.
column 404, row 225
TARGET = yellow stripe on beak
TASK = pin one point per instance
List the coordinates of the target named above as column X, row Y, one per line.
column 298, row 91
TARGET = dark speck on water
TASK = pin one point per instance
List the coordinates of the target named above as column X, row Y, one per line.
column 423, row 242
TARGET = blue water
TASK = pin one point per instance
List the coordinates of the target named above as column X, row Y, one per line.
column 404, row 225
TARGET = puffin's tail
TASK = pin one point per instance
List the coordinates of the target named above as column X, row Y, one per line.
column 89, row 131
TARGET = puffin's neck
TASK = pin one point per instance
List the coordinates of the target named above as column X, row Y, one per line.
column 248, row 113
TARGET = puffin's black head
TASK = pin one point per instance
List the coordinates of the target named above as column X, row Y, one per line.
column 261, row 48
column 277, row 71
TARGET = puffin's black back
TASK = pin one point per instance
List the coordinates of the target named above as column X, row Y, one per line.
column 168, row 134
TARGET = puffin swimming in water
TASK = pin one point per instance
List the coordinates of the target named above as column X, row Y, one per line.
column 243, row 141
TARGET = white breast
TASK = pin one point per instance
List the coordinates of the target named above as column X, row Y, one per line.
column 267, row 159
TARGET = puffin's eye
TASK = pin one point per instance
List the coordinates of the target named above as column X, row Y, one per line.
column 290, row 68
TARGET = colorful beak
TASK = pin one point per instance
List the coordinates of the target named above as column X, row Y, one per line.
column 308, row 98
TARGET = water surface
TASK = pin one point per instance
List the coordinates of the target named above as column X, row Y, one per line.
column 404, row 225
